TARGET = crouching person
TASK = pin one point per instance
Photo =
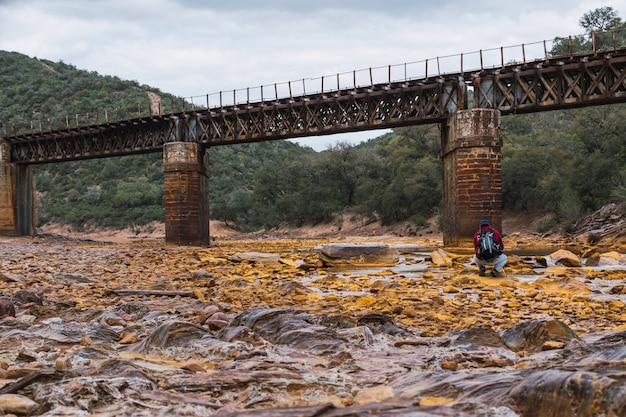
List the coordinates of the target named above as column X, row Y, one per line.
column 488, row 247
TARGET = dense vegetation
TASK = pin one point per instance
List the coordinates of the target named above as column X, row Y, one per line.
column 561, row 164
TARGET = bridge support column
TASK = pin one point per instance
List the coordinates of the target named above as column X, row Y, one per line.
column 472, row 182
column 17, row 196
column 186, row 194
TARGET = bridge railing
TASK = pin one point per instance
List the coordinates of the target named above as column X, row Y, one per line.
column 426, row 70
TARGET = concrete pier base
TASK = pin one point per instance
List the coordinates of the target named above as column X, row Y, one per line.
column 186, row 194
column 472, row 182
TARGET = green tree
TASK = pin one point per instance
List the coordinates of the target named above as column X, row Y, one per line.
column 602, row 26
column 600, row 19
column 403, row 179
column 136, row 192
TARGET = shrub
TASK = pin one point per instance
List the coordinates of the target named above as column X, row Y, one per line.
column 546, row 223
column 420, row 221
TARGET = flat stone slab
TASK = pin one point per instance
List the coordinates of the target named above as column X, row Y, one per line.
column 359, row 254
column 256, row 257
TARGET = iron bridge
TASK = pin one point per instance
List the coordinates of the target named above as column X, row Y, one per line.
column 535, row 86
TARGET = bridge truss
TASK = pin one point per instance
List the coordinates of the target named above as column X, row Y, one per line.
column 551, row 85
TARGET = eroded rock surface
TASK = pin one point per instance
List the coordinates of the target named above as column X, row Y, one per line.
column 362, row 254
column 145, row 329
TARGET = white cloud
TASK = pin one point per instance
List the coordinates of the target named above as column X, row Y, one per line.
column 194, row 47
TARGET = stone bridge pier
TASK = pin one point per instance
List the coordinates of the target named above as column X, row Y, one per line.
column 17, row 196
column 186, row 193
column 472, row 182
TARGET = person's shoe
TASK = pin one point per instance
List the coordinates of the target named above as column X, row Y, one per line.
column 481, row 272
column 494, row 273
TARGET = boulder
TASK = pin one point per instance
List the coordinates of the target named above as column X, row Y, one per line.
column 16, row 404
column 358, row 254
column 565, row 393
column 532, row 335
column 565, row 258
column 611, row 258
column 478, row 338
column 440, row 257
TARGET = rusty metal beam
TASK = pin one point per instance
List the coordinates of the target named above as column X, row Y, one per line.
column 380, row 106
column 577, row 82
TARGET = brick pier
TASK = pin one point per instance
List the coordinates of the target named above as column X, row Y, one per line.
column 472, row 183
column 186, row 194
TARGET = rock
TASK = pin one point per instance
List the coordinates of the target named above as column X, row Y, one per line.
column 127, row 338
column 338, row 359
column 567, row 283
column 294, row 288
column 23, row 297
column 478, row 338
column 558, row 393
column 593, row 259
column 397, row 310
column 208, row 311
column 174, row 333
column 202, row 275
column 514, row 260
column 193, row 367
column 450, row 289
column 290, row 327
column 73, row 277
column 389, row 335
column 440, row 257
column 531, row 335
column 217, row 321
column 449, row 365
column 380, row 323
column 8, row 277
column 552, row 344
column 17, row 404
column 374, row 395
column 607, row 222
column 256, row 257
column 611, row 258
column 565, row 258
column 7, row 309
column 359, row 254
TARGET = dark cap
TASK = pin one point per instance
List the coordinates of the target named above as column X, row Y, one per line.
column 484, row 222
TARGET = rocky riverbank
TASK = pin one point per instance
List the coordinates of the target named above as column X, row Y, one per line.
column 267, row 328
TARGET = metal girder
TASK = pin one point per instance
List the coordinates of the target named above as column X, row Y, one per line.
column 131, row 137
column 553, row 85
column 380, row 107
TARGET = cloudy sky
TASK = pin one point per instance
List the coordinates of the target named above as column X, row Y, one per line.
column 195, row 47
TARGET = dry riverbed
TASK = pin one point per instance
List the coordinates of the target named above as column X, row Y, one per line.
column 263, row 328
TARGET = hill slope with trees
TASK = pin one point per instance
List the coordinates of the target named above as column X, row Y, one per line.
column 558, row 165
